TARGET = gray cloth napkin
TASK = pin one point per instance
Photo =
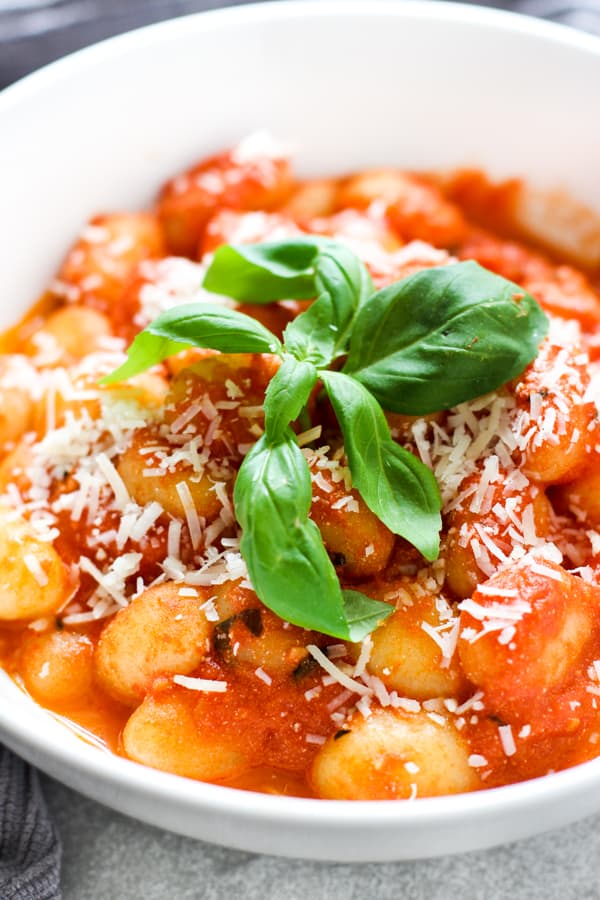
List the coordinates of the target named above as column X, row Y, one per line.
column 29, row 844
column 33, row 32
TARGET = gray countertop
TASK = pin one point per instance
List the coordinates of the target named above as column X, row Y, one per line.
column 107, row 855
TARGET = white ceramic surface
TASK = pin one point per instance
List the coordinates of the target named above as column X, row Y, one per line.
column 349, row 85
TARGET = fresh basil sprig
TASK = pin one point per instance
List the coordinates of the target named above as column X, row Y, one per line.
column 435, row 339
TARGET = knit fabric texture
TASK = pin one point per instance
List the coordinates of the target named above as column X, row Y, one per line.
column 30, row 848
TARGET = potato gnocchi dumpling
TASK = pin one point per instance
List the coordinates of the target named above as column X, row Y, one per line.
column 394, row 755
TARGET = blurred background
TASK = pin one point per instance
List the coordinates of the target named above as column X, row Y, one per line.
column 35, row 32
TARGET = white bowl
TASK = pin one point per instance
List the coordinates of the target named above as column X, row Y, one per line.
column 350, row 85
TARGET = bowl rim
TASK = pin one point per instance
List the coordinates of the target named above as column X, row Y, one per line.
column 87, row 759
column 122, row 773
column 223, row 17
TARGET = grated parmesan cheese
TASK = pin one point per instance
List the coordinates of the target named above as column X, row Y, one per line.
column 507, row 740
column 263, row 676
column 33, row 564
column 200, row 684
column 114, row 479
column 193, row 521
column 336, row 673
column 476, row 761
column 315, row 739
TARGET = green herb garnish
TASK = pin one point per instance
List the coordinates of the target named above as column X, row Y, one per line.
column 426, row 343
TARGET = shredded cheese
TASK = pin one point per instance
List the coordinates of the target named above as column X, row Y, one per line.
column 193, row 521
column 208, row 685
column 349, row 683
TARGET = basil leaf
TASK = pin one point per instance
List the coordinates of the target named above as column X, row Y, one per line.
column 287, row 394
column 283, row 549
column 363, row 614
column 443, row 336
column 145, row 351
column 215, row 326
column 341, row 274
column 311, row 335
column 194, row 325
column 394, row 484
column 262, row 273
column 343, row 283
